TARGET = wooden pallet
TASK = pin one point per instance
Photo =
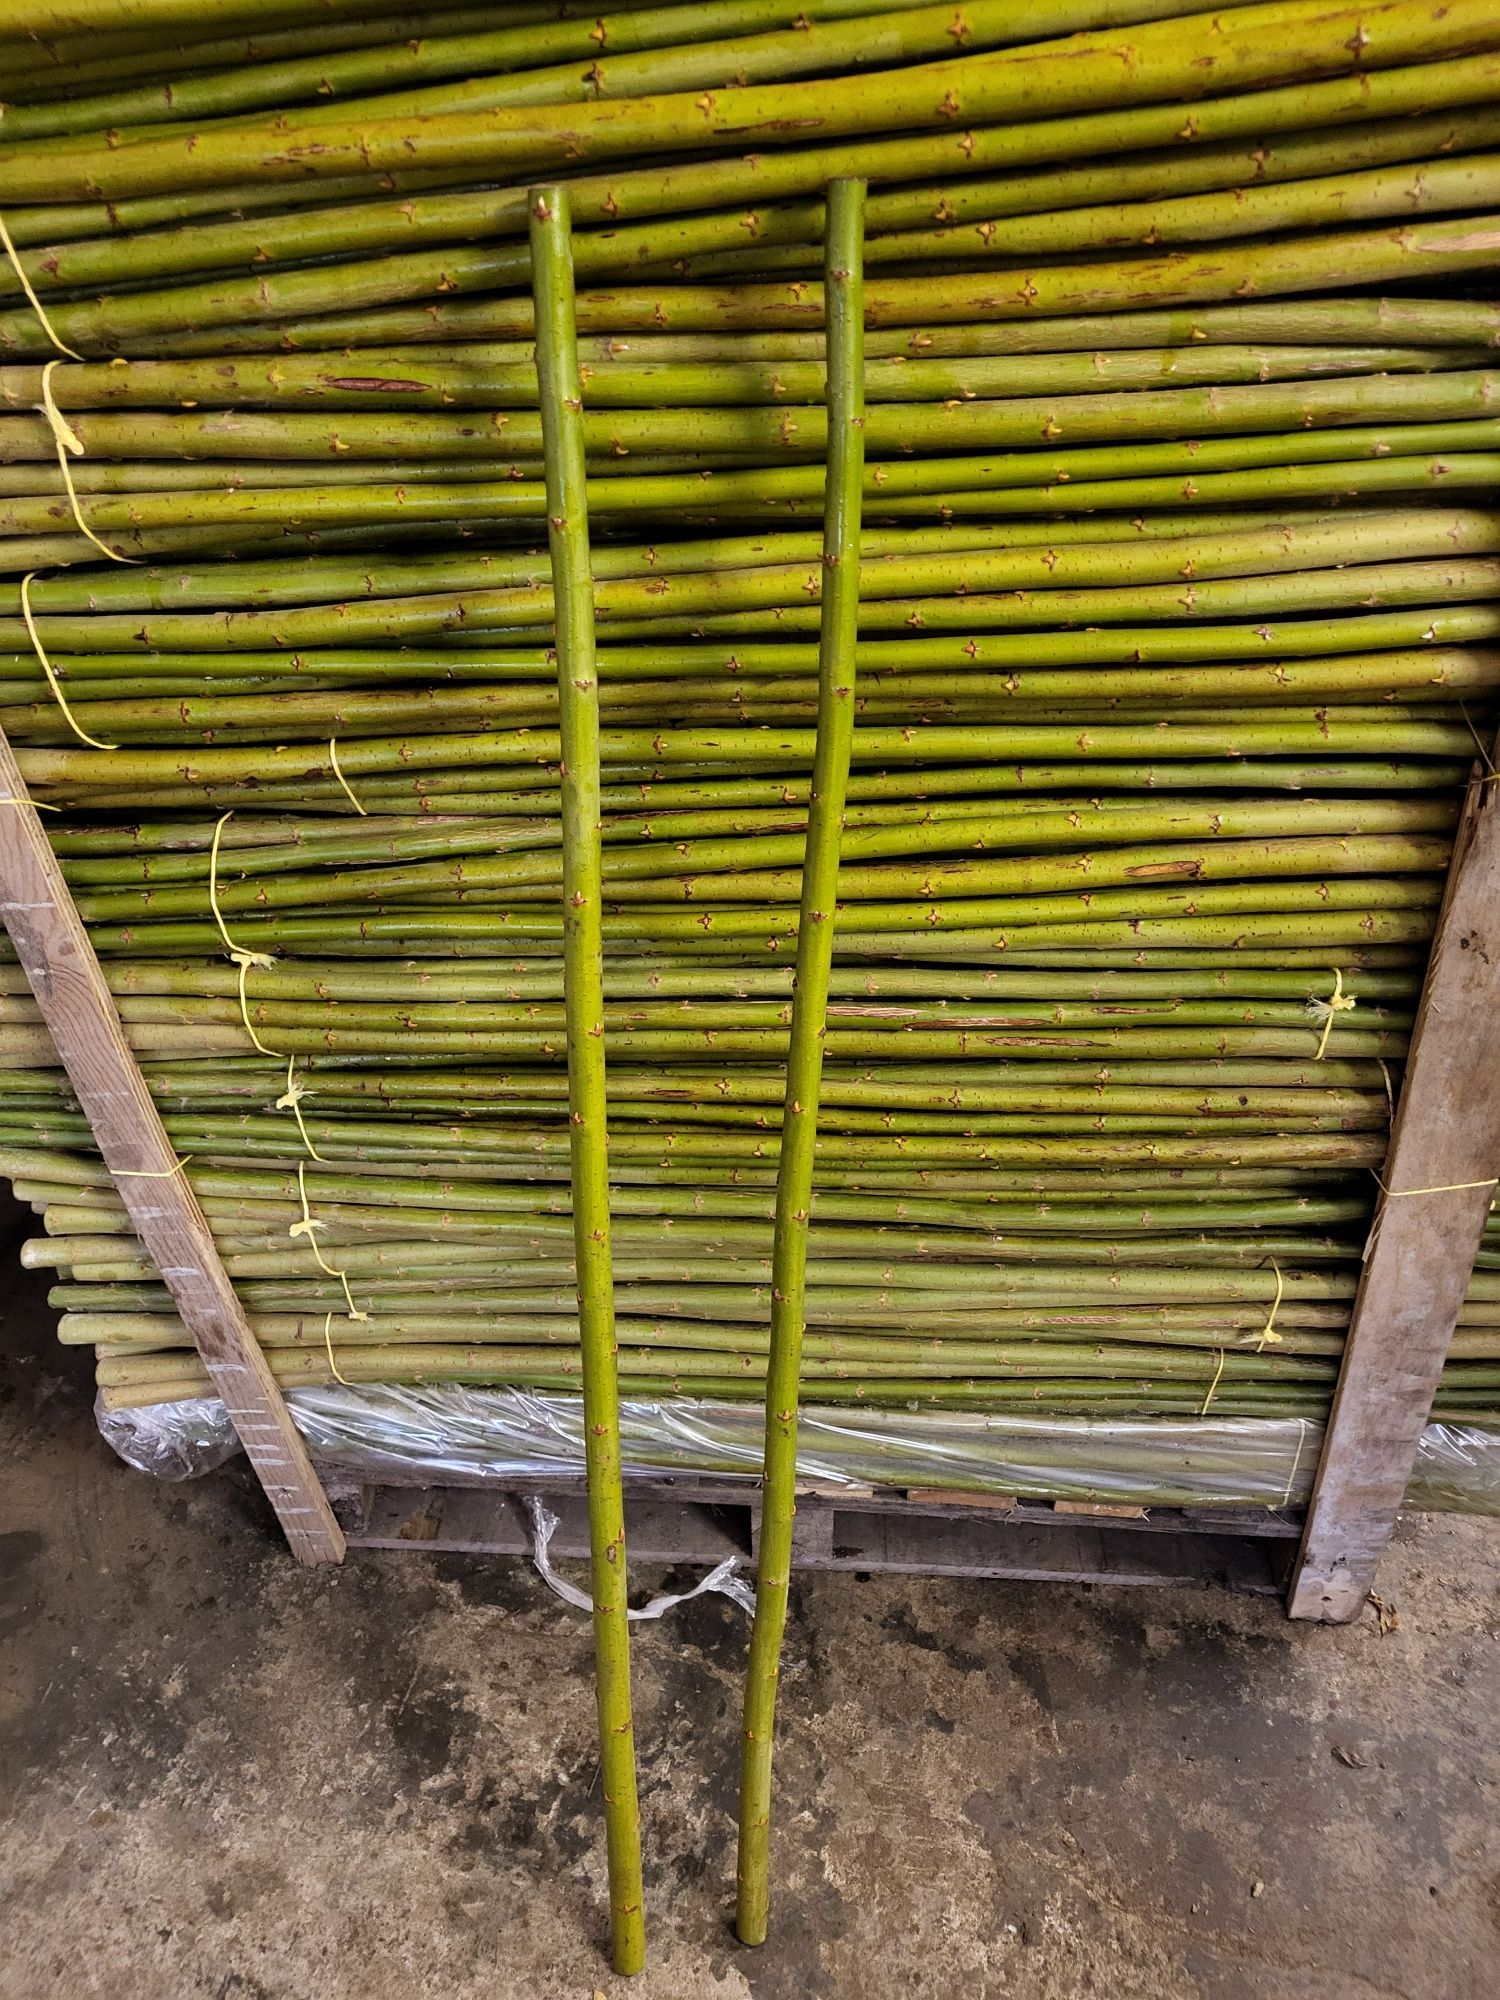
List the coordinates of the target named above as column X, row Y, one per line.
column 1440, row 1176
column 923, row 1533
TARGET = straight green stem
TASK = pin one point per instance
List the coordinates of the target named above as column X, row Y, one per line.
column 844, row 292
column 561, row 397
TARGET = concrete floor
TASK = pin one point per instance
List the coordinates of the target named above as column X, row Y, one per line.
column 226, row 1777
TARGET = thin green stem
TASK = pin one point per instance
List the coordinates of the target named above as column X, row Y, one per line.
column 561, row 396
column 844, row 290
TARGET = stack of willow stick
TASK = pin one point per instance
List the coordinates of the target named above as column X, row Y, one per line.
column 1177, row 608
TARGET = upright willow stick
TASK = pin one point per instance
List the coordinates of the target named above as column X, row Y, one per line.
column 561, row 398
column 844, row 274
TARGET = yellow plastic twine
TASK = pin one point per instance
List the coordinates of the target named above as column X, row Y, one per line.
column 308, row 1227
column 1450, row 1187
column 52, row 680
column 291, row 1100
column 35, row 804
column 1492, row 776
column 1338, row 1002
column 333, row 758
column 152, row 1173
column 66, row 439
column 1213, row 1386
column 238, row 956
column 1291, row 1478
column 31, row 298
column 339, row 1374
column 1268, row 1332
column 1390, row 1095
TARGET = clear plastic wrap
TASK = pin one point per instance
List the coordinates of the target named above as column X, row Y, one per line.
column 1457, row 1471
column 170, row 1440
column 502, row 1433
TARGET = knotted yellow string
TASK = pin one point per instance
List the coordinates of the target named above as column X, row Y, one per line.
column 1268, row 1331
column 243, row 961
column 308, row 1227
column 1338, row 1002
column 31, row 298
column 66, row 440
column 291, row 1100
column 1213, row 1385
column 333, row 758
column 154, row 1173
column 328, row 1343
column 238, row 956
column 52, row 680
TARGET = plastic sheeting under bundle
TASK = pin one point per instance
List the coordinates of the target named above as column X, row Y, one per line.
column 500, row 1434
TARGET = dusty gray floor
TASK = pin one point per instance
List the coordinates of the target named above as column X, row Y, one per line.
column 225, row 1777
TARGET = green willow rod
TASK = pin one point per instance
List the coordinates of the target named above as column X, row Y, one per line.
column 261, row 584
column 480, row 377
column 391, row 64
column 844, row 288
column 1173, row 60
column 111, row 856
column 662, row 979
column 244, row 712
column 926, row 826
column 305, row 583
column 865, row 1281
column 1203, row 155
column 126, row 1384
column 560, row 394
column 1257, row 574
column 1173, row 1199
column 1282, row 733
column 469, row 794
column 688, row 1087
column 1392, row 641
column 224, row 517
column 782, row 489
column 984, row 1229
column 1469, row 184
column 1241, row 880
column 1381, row 937
column 1185, row 277
column 33, row 68
column 240, row 36
column 1271, row 594
column 691, row 48
column 1384, row 935
column 1225, row 827
column 1349, row 479
column 81, row 24
column 1101, row 416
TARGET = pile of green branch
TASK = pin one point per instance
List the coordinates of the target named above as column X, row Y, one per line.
column 1179, row 607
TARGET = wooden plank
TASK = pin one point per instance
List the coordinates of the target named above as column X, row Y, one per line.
column 953, row 1496
column 1441, row 1171
column 77, row 1005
